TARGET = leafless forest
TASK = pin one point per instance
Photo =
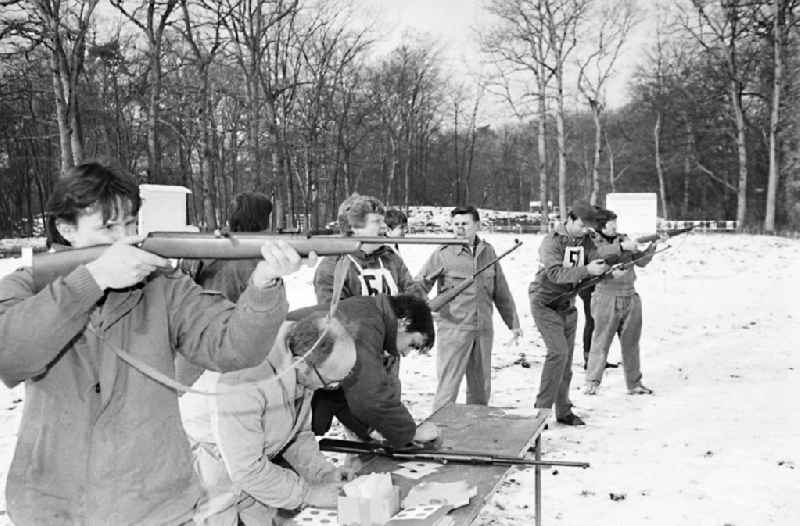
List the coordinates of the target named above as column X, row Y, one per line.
column 305, row 102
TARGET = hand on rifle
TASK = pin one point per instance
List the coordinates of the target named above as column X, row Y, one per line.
column 597, row 267
column 280, row 259
column 123, row 265
column 629, row 244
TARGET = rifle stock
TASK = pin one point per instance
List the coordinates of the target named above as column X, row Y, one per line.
column 446, row 297
column 238, row 245
column 434, row 455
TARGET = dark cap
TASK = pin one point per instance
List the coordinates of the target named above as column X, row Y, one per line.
column 585, row 212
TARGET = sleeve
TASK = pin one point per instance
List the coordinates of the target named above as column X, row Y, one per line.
column 551, row 260
column 375, row 400
column 240, row 433
column 304, row 456
column 430, row 272
column 323, row 281
column 216, row 334
column 504, row 300
column 61, row 312
column 644, row 258
column 405, row 283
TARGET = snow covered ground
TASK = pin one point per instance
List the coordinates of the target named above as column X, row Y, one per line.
column 718, row 442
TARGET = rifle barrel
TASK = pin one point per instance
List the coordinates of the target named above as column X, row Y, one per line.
column 236, row 245
column 442, row 456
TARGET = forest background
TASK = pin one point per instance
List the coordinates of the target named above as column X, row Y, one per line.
column 309, row 101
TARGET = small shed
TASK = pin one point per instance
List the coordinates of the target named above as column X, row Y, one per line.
column 163, row 208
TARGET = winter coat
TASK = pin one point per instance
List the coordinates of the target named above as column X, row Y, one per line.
column 448, row 266
column 270, row 418
column 369, row 398
column 562, row 265
column 100, row 442
column 379, row 272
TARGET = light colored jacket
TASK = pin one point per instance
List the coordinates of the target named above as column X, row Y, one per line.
column 472, row 309
column 271, row 416
column 100, row 442
column 624, row 284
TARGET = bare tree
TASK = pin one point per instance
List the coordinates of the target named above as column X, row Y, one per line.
column 151, row 17
column 616, row 19
column 723, row 30
column 62, row 26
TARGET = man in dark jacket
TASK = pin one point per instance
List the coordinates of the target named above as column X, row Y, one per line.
column 566, row 257
column 384, row 328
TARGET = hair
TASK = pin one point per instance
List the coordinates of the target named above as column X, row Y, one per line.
column 395, row 218
column 89, row 187
column 461, row 210
column 416, row 312
column 604, row 216
column 303, row 334
column 251, row 211
column 353, row 211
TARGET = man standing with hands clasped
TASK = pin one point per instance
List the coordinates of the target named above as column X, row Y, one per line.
column 465, row 324
column 100, row 442
column 567, row 256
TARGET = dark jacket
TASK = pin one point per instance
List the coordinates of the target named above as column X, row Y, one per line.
column 369, row 398
column 383, row 257
column 562, row 265
column 100, row 442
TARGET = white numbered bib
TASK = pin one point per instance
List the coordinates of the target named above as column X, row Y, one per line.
column 375, row 281
column 573, row 257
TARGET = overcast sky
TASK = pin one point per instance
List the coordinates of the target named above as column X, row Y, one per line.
column 452, row 24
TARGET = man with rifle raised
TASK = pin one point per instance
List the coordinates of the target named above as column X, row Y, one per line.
column 616, row 307
column 465, row 323
column 567, row 256
column 101, row 441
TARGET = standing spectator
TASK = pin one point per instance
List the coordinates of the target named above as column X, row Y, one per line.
column 617, row 309
column 564, row 261
column 396, row 223
column 465, row 324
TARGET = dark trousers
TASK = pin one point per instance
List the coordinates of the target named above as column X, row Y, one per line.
column 588, row 326
column 557, row 328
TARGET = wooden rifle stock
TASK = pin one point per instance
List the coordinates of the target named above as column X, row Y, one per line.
column 234, row 245
column 446, row 297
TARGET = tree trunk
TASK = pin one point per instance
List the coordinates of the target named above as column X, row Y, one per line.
column 541, row 144
column 741, row 146
column 64, row 130
column 687, row 166
column 774, row 118
column 562, row 150
column 659, row 169
column 598, row 137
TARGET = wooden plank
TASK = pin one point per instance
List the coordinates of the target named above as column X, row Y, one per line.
column 470, row 428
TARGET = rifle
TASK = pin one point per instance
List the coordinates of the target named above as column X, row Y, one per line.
column 434, row 455
column 233, row 245
column 441, row 300
column 627, row 256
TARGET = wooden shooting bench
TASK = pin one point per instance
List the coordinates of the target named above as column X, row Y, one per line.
column 475, row 428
